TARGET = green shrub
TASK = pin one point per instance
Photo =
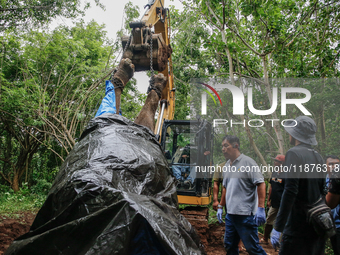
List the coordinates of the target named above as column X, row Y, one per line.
column 4, row 188
column 27, row 199
column 42, row 187
column 24, row 189
column 11, row 202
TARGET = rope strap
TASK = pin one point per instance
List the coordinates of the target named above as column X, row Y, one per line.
column 153, row 87
column 117, row 83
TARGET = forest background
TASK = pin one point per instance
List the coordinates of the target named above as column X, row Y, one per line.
column 52, row 82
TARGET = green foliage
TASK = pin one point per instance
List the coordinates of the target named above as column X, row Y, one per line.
column 11, row 203
column 212, row 219
column 132, row 100
column 132, row 13
column 297, row 40
column 58, row 73
column 5, row 188
column 42, row 187
column 182, row 206
column 329, row 249
column 189, row 60
column 27, row 199
column 29, row 13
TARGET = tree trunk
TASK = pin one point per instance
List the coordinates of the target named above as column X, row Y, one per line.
column 8, row 153
column 30, row 147
column 15, row 182
column 231, row 73
column 253, row 144
column 322, row 127
column 269, row 134
column 230, row 59
column 276, row 125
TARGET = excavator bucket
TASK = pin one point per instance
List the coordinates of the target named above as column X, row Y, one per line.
column 137, row 48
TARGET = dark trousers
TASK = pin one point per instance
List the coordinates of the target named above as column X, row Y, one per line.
column 310, row 245
column 241, row 227
column 335, row 241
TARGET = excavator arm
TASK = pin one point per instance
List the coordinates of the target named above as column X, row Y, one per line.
column 151, row 51
column 143, row 43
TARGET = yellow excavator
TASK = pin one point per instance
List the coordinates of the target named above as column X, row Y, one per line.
column 186, row 144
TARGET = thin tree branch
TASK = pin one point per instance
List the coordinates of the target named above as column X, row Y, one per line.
column 245, row 43
column 5, row 178
column 334, row 59
column 46, row 7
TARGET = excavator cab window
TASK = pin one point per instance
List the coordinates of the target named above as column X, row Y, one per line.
column 185, row 147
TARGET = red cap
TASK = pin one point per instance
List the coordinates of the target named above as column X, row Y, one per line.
column 280, row 158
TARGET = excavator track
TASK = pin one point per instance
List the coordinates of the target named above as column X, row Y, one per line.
column 198, row 218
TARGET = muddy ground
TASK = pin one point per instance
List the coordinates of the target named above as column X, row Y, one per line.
column 214, row 244
column 12, row 228
column 211, row 235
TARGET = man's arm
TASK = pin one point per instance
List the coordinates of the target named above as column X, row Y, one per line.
column 261, row 193
column 332, row 200
column 223, row 197
column 218, row 179
column 215, row 193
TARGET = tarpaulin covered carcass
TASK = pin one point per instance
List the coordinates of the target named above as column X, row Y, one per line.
column 114, row 194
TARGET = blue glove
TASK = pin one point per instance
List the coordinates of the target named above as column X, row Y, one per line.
column 275, row 239
column 260, row 216
column 219, row 215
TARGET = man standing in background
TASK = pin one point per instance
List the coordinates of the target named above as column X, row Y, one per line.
column 218, row 178
column 274, row 197
column 333, row 162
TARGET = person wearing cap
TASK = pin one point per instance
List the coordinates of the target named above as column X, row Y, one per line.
column 274, row 197
column 301, row 189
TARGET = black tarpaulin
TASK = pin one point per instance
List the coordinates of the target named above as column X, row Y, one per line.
column 114, row 194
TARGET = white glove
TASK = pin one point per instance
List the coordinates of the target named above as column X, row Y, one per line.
column 219, row 215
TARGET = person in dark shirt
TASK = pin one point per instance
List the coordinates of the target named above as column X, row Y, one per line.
column 333, row 195
column 274, row 197
column 333, row 163
column 302, row 188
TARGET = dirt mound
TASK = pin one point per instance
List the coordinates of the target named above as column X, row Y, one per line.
column 215, row 235
column 198, row 218
column 10, row 228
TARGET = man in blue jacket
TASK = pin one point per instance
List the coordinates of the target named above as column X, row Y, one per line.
column 333, row 162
